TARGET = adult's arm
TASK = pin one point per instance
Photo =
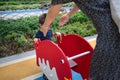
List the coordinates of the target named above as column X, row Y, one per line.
column 73, row 10
column 51, row 15
column 115, row 11
column 64, row 19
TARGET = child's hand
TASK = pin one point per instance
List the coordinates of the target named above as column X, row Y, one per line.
column 57, row 34
column 35, row 39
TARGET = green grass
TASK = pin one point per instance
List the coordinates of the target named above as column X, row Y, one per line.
column 19, row 7
column 20, row 4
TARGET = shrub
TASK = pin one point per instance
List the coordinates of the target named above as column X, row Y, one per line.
column 17, row 35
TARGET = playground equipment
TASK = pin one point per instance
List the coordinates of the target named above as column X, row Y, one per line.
column 72, row 52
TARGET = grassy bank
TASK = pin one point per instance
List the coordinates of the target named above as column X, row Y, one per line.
column 23, row 4
column 17, row 36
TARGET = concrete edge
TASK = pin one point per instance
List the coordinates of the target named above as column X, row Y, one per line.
column 32, row 77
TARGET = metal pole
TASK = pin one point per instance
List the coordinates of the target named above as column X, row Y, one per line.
column 78, row 55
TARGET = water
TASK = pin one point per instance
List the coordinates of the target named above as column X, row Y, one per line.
column 29, row 10
column 15, row 14
column 22, row 11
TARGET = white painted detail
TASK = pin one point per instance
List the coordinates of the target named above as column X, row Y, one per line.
column 62, row 61
column 51, row 74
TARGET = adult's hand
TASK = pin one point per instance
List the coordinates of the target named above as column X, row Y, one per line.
column 63, row 20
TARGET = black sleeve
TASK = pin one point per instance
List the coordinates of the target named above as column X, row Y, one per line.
column 54, row 2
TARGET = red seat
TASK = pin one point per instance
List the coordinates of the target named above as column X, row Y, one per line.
column 73, row 44
column 68, row 45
